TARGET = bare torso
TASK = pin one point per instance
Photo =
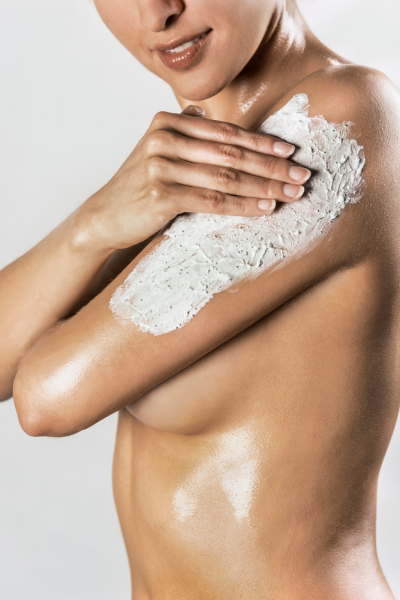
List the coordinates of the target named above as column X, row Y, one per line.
column 252, row 474
column 246, row 466
column 246, row 463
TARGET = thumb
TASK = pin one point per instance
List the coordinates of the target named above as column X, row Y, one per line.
column 194, row 111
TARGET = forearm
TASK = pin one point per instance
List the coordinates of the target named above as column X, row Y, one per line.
column 155, row 184
column 152, row 187
column 42, row 287
column 94, row 364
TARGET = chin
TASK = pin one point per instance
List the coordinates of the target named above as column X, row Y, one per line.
column 198, row 87
column 197, row 93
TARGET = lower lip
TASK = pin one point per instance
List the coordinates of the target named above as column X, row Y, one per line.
column 185, row 59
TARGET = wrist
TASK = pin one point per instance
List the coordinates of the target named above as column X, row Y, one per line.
column 85, row 234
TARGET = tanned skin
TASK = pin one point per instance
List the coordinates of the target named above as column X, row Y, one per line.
column 247, row 466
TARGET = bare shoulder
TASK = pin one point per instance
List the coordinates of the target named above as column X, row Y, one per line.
column 369, row 103
column 343, row 92
column 364, row 96
column 113, row 362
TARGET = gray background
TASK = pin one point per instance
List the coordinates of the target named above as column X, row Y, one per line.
column 73, row 104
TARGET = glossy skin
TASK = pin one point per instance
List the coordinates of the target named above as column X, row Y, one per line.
column 248, row 464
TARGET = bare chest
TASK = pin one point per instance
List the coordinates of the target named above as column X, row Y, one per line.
column 258, row 453
column 314, row 349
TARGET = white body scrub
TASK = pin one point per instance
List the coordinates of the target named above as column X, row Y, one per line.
column 206, row 254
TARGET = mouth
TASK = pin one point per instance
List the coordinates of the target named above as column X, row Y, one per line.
column 186, row 45
column 181, row 53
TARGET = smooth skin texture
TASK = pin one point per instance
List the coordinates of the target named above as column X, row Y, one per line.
column 114, row 225
column 184, row 163
column 248, row 467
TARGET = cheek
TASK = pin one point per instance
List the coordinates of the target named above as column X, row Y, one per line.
column 249, row 25
column 123, row 20
column 240, row 26
column 243, row 17
column 105, row 10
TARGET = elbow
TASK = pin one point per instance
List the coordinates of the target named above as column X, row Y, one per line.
column 30, row 409
column 31, row 423
column 40, row 413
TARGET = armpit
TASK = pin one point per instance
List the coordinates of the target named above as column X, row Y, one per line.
column 202, row 254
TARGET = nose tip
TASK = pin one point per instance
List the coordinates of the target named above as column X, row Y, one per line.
column 154, row 14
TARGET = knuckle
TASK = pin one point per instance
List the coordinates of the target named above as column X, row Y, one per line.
column 259, row 140
column 214, row 199
column 157, row 193
column 155, row 167
column 227, row 177
column 240, row 206
column 266, row 186
column 160, row 119
column 232, row 153
column 227, row 131
column 155, row 141
column 272, row 166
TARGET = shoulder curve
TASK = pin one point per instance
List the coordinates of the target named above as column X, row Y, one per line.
column 368, row 104
column 351, row 93
column 353, row 89
column 354, row 77
column 362, row 96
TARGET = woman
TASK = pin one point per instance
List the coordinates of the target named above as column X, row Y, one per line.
column 247, row 462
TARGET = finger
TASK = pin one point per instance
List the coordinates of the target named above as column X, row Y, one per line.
column 220, row 131
column 230, row 181
column 194, row 110
column 236, row 157
column 201, row 200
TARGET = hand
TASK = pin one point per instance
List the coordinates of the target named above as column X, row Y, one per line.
column 189, row 164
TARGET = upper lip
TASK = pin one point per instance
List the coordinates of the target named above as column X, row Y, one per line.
column 178, row 41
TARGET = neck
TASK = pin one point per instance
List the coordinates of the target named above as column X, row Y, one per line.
column 288, row 52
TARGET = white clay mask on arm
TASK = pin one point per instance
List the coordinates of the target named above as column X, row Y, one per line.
column 202, row 254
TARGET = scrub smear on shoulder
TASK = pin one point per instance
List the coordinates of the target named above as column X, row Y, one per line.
column 202, row 255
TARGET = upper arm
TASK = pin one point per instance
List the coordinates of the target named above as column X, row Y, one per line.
column 95, row 363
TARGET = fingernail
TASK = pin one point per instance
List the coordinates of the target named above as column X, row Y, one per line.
column 283, row 149
column 299, row 174
column 267, row 205
column 194, row 110
column 293, row 191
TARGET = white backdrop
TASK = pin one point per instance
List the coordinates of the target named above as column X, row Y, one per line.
column 72, row 107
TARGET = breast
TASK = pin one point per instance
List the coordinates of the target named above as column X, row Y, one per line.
column 198, row 397
column 315, row 351
column 281, row 432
